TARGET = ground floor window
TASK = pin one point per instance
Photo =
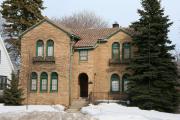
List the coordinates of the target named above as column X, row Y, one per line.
column 125, row 82
column 3, row 82
column 33, row 81
column 44, row 82
column 115, row 83
column 54, row 81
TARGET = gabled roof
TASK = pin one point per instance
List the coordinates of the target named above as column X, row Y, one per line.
column 62, row 28
column 90, row 37
column 5, row 50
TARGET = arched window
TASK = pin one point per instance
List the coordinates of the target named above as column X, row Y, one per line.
column 39, row 48
column 44, row 81
column 50, row 48
column 116, row 51
column 33, row 82
column 125, row 82
column 54, row 82
column 115, row 83
column 126, row 51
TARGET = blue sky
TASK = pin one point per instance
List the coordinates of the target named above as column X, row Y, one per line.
column 122, row 11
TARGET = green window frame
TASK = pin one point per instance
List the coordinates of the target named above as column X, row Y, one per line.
column 50, row 48
column 115, row 83
column 83, row 55
column 44, row 82
column 33, row 82
column 125, row 82
column 126, row 52
column 116, row 51
column 54, row 82
column 39, row 48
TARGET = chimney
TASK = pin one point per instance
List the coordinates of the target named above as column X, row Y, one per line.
column 115, row 25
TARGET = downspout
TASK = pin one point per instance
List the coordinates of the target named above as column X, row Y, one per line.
column 70, row 69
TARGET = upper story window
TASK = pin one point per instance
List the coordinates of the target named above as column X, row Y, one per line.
column 116, row 51
column 83, row 55
column 39, row 48
column 54, row 82
column 115, row 83
column 33, row 83
column 44, row 81
column 126, row 51
column 50, row 48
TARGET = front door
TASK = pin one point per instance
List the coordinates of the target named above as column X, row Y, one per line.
column 83, row 82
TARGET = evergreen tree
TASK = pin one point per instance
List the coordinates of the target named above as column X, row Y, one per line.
column 19, row 16
column 154, row 79
column 13, row 94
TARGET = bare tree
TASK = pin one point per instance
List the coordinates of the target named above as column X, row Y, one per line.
column 1, row 23
column 81, row 20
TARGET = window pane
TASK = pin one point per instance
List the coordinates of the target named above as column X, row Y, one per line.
column 50, row 50
column 40, row 51
column 115, row 86
column 126, row 53
column 54, row 84
column 33, row 84
column 125, row 84
column 44, row 84
column 83, row 55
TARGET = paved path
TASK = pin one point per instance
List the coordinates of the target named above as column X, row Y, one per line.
column 45, row 116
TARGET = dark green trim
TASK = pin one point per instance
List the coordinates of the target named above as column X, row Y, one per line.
column 37, row 45
column 33, row 76
column 80, row 55
column 54, row 75
column 48, row 44
column 123, row 47
column 118, row 79
column 44, row 75
column 115, row 47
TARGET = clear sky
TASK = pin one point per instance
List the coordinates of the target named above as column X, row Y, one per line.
column 122, row 11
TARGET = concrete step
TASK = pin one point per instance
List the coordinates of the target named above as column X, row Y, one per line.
column 70, row 110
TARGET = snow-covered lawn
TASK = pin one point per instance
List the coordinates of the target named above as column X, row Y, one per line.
column 115, row 111
column 39, row 112
column 31, row 108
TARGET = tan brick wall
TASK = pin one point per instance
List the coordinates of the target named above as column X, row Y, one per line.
column 44, row 32
column 97, row 67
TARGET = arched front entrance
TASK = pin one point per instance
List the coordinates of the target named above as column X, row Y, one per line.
column 83, row 83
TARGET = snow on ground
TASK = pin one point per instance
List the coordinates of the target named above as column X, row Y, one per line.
column 113, row 111
column 31, row 108
column 39, row 112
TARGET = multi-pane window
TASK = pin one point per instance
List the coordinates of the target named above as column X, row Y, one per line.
column 54, row 81
column 39, row 48
column 50, row 48
column 33, row 81
column 115, row 83
column 44, row 82
column 125, row 82
column 126, row 51
column 116, row 51
column 3, row 82
column 83, row 55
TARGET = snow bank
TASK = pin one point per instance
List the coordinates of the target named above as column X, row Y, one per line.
column 31, row 108
column 113, row 111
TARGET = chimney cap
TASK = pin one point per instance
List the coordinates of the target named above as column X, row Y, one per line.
column 115, row 25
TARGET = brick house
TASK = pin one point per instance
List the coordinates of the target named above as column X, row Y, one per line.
column 60, row 65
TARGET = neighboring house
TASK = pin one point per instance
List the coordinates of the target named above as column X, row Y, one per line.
column 6, row 66
column 60, row 65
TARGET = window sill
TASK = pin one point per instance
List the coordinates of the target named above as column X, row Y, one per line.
column 43, row 59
